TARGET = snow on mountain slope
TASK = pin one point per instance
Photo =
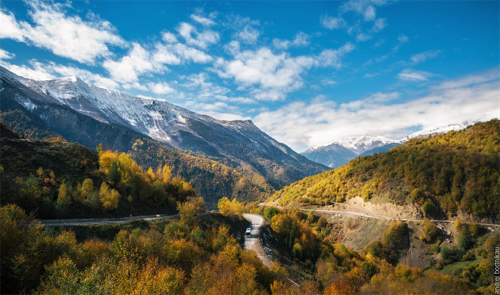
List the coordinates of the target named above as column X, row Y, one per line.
column 360, row 144
column 334, row 154
column 438, row 130
column 340, row 152
column 240, row 142
column 155, row 118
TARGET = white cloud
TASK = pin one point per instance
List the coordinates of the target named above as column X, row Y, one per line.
column 67, row 36
column 239, row 99
column 360, row 27
column 160, row 88
column 421, row 57
column 10, row 27
column 6, row 55
column 87, row 76
column 246, row 30
column 202, row 89
column 332, row 22
column 130, row 67
column 371, row 75
column 48, row 71
column 471, row 80
column 379, row 25
column 330, row 57
column 281, row 44
column 275, row 74
column 369, row 13
column 361, row 37
column 36, row 72
column 196, row 38
column 207, row 22
column 263, row 67
column 328, row 82
column 233, row 47
column 302, row 125
column 219, row 110
column 365, row 8
column 301, row 39
column 169, row 37
column 402, row 39
column 412, row 75
column 165, row 55
column 249, row 34
column 191, row 54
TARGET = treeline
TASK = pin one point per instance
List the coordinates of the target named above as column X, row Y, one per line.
column 75, row 181
column 443, row 174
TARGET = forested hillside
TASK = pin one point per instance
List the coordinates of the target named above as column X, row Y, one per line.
column 58, row 179
column 211, row 179
column 447, row 173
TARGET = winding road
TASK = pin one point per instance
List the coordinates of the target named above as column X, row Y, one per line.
column 94, row 221
column 252, row 242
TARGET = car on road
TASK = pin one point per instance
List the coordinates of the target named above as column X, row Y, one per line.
column 249, row 230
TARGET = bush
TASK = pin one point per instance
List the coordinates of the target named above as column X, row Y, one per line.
column 465, row 242
column 450, row 255
column 428, row 207
column 270, row 212
column 469, row 256
column 431, row 232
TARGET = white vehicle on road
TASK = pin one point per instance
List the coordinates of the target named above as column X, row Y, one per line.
column 249, row 231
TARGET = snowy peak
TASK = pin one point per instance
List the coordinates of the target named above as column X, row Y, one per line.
column 438, row 130
column 237, row 143
column 363, row 143
column 156, row 118
column 340, row 152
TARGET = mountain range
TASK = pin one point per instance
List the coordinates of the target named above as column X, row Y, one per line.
column 83, row 113
column 340, row 152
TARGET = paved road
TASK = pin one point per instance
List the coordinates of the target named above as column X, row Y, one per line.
column 257, row 222
column 93, row 221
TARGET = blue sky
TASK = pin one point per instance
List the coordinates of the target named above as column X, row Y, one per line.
column 306, row 72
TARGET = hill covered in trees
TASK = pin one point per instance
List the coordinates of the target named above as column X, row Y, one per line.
column 211, row 179
column 444, row 174
column 58, row 179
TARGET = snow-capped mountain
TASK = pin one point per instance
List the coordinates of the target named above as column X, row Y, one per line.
column 333, row 155
column 237, row 143
column 158, row 119
column 340, row 152
column 438, row 130
column 363, row 143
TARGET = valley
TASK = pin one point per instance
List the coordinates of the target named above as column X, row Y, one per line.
column 304, row 243
column 98, row 187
